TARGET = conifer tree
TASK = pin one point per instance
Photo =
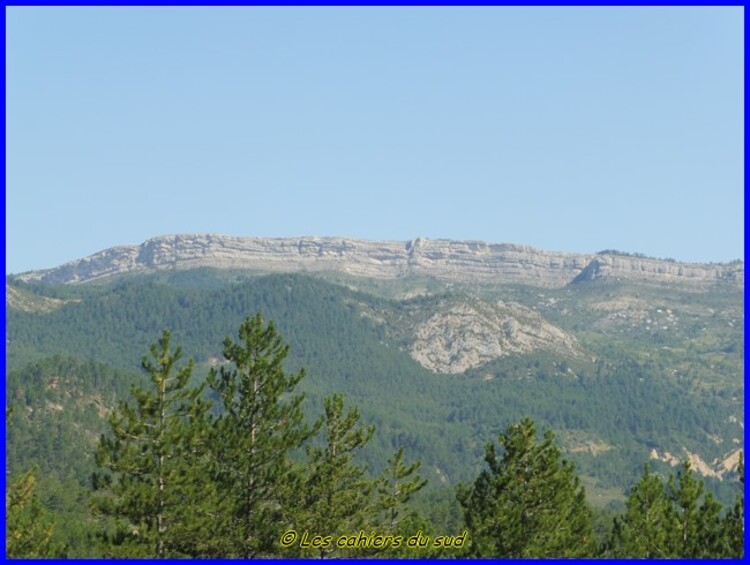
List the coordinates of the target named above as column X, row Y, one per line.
column 677, row 520
column 261, row 423
column 28, row 528
column 529, row 503
column 644, row 529
column 733, row 524
column 335, row 491
column 193, row 520
column 698, row 531
column 146, row 457
column 395, row 488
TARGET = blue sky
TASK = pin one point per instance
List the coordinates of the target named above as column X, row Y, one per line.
column 569, row 129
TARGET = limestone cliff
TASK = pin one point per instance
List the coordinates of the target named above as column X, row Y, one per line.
column 460, row 261
column 464, row 335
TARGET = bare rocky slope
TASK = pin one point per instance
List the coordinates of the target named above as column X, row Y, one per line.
column 460, row 261
column 463, row 336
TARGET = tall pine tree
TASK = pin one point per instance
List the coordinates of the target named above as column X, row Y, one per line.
column 529, row 503
column 336, row 493
column 394, row 489
column 644, row 530
column 677, row 520
column 145, row 456
column 261, row 423
column 698, row 531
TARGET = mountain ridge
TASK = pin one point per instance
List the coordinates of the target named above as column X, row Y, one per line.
column 449, row 260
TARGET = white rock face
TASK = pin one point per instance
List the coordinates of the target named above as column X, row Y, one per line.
column 644, row 268
column 718, row 468
column 462, row 336
column 464, row 261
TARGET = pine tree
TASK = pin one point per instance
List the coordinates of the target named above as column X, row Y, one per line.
column 261, row 423
column 335, row 491
column 733, row 524
column 529, row 503
column 698, row 532
column 29, row 528
column 678, row 520
column 193, row 520
column 395, row 488
column 146, row 457
column 644, row 529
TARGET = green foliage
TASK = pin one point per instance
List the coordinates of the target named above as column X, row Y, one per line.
column 734, row 522
column 58, row 409
column 629, row 397
column 148, row 454
column 673, row 520
column 698, row 532
column 260, row 424
column 529, row 503
column 643, row 530
column 58, row 412
column 636, row 396
column 440, row 507
column 335, row 491
column 395, row 488
column 28, row 528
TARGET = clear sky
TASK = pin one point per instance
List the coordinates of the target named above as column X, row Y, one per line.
column 568, row 129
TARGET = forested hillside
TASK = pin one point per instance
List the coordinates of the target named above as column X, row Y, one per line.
column 632, row 389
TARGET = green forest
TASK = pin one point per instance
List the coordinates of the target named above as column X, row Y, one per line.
column 359, row 450
column 231, row 466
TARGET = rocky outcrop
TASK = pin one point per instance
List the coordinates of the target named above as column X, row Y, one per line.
column 657, row 270
column 462, row 336
column 718, row 468
column 460, row 261
column 30, row 302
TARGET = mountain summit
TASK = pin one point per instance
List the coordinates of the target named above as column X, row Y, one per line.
column 448, row 260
